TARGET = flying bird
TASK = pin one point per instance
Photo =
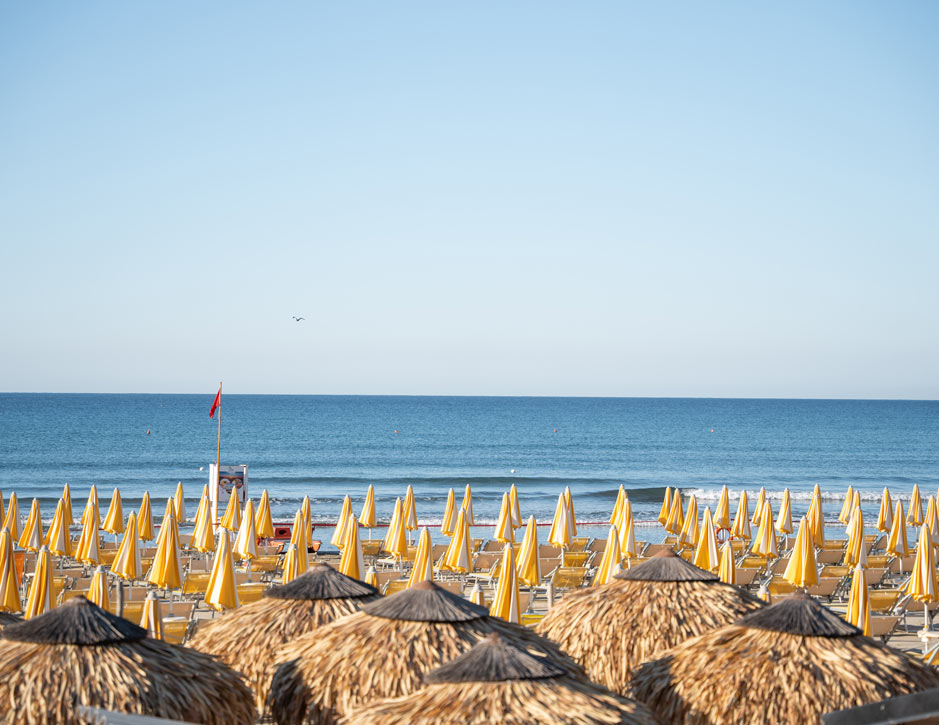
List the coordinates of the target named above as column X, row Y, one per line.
column 297, row 319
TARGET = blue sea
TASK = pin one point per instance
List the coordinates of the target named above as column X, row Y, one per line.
column 329, row 446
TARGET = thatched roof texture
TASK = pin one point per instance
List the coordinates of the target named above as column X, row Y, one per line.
column 647, row 609
column 384, row 651
column 248, row 638
column 788, row 663
column 496, row 681
column 79, row 654
column 7, row 618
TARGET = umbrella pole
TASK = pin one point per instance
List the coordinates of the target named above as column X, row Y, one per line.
column 926, row 621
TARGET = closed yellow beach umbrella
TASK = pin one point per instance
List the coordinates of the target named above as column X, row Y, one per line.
column 221, row 592
column 367, row 517
column 741, row 527
column 9, row 587
column 31, row 537
column 504, row 531
column 126, row 563
column 203, row 531
column 58, row 539
column 308, row 519
column 627, row 533
column 758, row 511
column 514, row 507
column 151, row 618
column 801, row 570
column 352, row 562
column 529, row 565
column 291, row 568
column 666, row 506
column 39, row 600
column 765, row 543
column 856, row 550
column 423, row 569
column 2, row 515
column 457, row 557
column 88, row 549
column 885, row 515
column 688, row 537
column 816, row 517
column 676, row 516
column 897, row 543
column 914, row 514
column 91, row 507
column 467, row 505
column 165, row 570
column 722, row 512
column 784, row 520
column 145, row 519
column 569, row 501
column 179, row 500
column 930, row 521
column 847, row 507
column 505, row 602
column 449, row 515
column 612, row 558
column 706, row 555
column 11, row 521
column 98, row 589
column 232, row 516
column 618, row 505
column 396, row 542
column 114, row 518
column 478, row 596
column 728, row 568
column 246, row 542
column 561, row 534
column 859, row 603
column 922, row 585
column 299, row 540
column 410, row 510
column 67, row 505
column 338, row 536
column 263, row 523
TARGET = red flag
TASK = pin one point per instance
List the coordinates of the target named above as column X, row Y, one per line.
column 217, row 402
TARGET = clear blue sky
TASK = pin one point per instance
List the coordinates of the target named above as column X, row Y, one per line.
column 682, row 198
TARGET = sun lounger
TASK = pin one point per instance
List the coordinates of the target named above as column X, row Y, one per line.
column 829, row 556
column 569, row 577
column 579, row 543
column 884, row 625
column 597, row 546
column 577, row 558
column 251, row 592
column 745, row 577
column 825, row 588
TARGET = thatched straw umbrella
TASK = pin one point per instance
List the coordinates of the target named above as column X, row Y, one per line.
column 7, row 618
column 787, row 663
column 498, row 682
column 644, row 611
column 384, row 651
column 248, row 638
column 79, row 654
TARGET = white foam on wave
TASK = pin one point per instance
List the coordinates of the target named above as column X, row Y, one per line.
column 710, row 494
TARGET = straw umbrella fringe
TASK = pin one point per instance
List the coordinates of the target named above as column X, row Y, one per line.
column 78, row 654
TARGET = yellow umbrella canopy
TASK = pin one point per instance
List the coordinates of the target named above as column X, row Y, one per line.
column 914, row 515
column 847, row 506
column 504, row 531
column 666, row 506
column 816, row 517
column 514, row 507
column 741, row 527
column 79, row 654
column 91, row 507
column 203, row 530
column 290, row 569
column 299, row 540
column 859, row 603
column 641, row 613
column 728, row 569
column 627, row 533
column 497, row 682
column 765, row 543
column 367, row 517
column 165, row 571
column 263, row 524
column 897, row 543
column 98, row 589
column 396, row 542
column 885, row 515
column 31, row 537
column 561, row 530
column 618, row 506
column 66, row 500
column 246, row 543
column 114, row 518
column 506, row 601
column 169, row 514
column 410, row 510
column 856, row 550
column 352, row 561
column 1, row 505
column 39, row 601
column 151, row 618
column 722, row 512
column 232, row 516
column 612, row 557
column 179, row 500
column 126, row 562
column 308, row 519
column 9, row 589
column 801, row 570
column 457, row 556
column 88, row 548
column 787, row 663
column 676, row 516
column 145, row 519
column 423, row 569
column 784, row 520
column 688, row 536
column 706, row 555
column 467, row 505
column 11, row 521
column 449, row 518
column 930, row 520
column 57, row 538
column 221, row 592
column 923, row 586
column 529, row 565
column 339, row 532
column 758, row 510
column 249, row 638
column 569, row 502
column 329, row 673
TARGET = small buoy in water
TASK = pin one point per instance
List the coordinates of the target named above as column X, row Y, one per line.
column 555, row 430
column 396, row 431
column 148, row 431
column 201, row 468
column 712, row 430
column 512, row 471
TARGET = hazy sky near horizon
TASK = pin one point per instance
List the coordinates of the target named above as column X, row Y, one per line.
column 684, row 198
